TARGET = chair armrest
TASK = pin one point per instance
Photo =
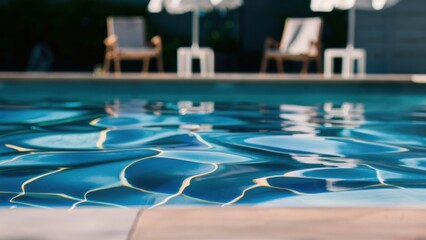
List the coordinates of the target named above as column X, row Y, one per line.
column 271, row 43
column 317, row 45
column 157, row 43
column 111, row 41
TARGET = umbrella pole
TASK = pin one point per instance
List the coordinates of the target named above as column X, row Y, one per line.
column 195, row 29
column 351, row 28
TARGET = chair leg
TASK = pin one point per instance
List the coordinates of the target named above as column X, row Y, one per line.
column 160, row 64
column 146, row 62
column 107, row 64
column 305, row 66
column 211, row 63
column 264, row 64
column 280, row 66
column 328, row 64
column 117, row 64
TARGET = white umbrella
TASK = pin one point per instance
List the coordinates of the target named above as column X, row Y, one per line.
column 351, row 5
column 194, row 6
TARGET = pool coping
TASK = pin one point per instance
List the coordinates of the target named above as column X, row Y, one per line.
column 218, row 78
column 281, row 223
column 215, row 223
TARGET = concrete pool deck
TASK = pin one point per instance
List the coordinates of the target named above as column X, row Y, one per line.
column 219, row 77
column 215, row 223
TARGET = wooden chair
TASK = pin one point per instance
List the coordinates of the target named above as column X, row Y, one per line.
column 126, row 41
column 301, row 41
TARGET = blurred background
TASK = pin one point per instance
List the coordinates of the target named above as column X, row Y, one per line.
column 71, row 33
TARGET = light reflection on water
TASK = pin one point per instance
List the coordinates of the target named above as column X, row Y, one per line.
column 139, row 153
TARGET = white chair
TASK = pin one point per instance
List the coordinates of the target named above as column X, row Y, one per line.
column 301, row 41
column 126, row 41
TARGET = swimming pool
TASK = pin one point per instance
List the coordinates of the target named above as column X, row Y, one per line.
column 220, row 144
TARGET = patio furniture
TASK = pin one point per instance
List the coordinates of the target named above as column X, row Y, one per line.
column 301, row 41
column 126, row 41
column 186, row 56
column 348, row 56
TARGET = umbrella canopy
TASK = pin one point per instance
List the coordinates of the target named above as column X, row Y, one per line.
column 351, row 5
column 329, row 5
column 194, row 6
column 227, row 4
column 180, row 6
column 184, row 6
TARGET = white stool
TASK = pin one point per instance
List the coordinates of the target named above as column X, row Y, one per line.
column 348, row 56
column 187, row 54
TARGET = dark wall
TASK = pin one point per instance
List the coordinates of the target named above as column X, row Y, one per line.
column 242, row 32
column 394, row 38
column 75, row 30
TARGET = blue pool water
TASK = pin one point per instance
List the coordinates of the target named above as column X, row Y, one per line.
column 273, row 148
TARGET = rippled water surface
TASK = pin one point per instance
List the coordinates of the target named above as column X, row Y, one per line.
column 139, row 153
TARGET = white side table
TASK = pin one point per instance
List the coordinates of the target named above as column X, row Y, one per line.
column 348, row 56
column 187, row 54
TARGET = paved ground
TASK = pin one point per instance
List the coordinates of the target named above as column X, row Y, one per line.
column 215, row 223
column 255, row 223
column 90, row 224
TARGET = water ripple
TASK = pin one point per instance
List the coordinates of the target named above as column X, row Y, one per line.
column 140, row 153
